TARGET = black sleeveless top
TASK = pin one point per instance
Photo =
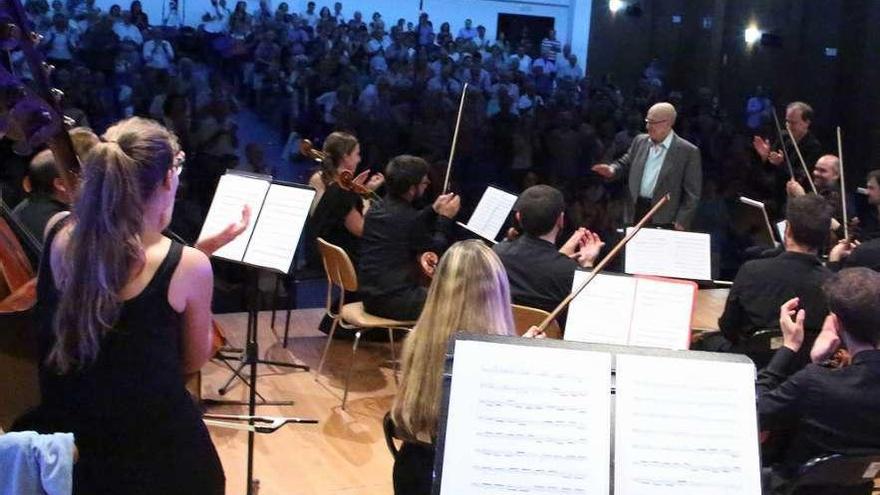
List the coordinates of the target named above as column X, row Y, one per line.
column 136, row 427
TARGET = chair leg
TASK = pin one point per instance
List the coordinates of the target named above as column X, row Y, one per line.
column 354, row 348
column 393, row 356
column 327, row 347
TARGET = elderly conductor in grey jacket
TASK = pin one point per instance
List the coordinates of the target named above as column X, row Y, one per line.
column 659, row 162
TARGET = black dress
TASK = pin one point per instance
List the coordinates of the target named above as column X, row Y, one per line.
column 328, row 219
column 136, row 427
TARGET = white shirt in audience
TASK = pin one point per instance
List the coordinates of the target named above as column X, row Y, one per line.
column 158, row 54
column 128, row 32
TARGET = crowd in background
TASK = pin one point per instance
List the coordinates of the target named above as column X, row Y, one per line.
column 532, row 114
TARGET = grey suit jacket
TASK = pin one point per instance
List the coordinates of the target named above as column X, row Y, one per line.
column 681, row 176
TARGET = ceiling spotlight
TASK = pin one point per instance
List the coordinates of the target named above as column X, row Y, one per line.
column 752, row 34
column 616, row 5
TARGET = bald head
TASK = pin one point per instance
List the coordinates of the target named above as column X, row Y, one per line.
column 826, row 172
column 659, row 121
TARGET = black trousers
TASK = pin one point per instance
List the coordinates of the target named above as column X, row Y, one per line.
column 406, row 305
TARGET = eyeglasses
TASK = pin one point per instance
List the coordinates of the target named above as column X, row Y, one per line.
column 654, row 122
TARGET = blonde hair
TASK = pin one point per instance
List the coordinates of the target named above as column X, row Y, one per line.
column 120, row 176
column 469, row 292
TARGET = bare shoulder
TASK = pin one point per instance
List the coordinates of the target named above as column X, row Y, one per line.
column 195, row 262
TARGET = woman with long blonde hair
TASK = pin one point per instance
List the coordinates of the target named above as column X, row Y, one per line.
column 469, row 292
column 126, row 312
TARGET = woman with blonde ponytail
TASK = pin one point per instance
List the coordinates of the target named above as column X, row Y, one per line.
column 125, row 313
column 469, row 291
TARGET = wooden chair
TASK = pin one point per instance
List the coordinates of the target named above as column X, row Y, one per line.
column 340, row 273
column 525, row 317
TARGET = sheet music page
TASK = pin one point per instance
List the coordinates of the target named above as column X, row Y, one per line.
column 669, row 253
column 233, row 192
column 279, row 227
column 662, row 314
column 491, row 212
column 602, row 312
column 685, row 426
column 525, row 419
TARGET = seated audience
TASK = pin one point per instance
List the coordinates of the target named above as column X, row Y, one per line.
column 124, row 313
column 763, row 284
column 540, row 274
column 396, row 234
column 833, row 411
column 469, row 292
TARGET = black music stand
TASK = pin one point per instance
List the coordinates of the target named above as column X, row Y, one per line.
column 250, row 355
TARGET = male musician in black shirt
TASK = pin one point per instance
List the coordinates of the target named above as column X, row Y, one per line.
column 396, row 234
column 762, row 285
column 48, row 195
column 832, row 411
column 775, row 173
column 541, row 275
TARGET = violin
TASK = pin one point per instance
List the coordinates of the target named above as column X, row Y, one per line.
column 344, row 179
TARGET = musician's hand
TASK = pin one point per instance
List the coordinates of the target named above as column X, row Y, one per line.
column 534, row 333
column 573, row 244
column 376, row 181
column 827, row 342
column 511, row 234
column 791, row 322
column 762, row 147
column 604, row 170
column 776, row 158
column 794, row 188
column 589, row 249
column 447, row 205
column 428, row 262
column 842, row 249
column 211, row 244
column 679, row 227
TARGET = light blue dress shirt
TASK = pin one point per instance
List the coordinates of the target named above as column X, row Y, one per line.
column 653, row 164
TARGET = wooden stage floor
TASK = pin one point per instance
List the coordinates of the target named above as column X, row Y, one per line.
column 345, row 453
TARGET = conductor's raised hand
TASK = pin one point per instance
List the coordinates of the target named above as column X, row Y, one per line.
column 604, row 170
column 791, row 322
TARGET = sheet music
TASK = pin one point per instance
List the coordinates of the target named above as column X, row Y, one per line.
column 491, row 212
column 662, row 314
column 602, row 312
column 279, row 227
column 233, row 192
column 685, row 426
column 669, row 253
column 526, row 419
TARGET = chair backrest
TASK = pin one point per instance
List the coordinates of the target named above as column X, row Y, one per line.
column 837, row 472
column 337, row 264
column 14, row 264
column 525, row 317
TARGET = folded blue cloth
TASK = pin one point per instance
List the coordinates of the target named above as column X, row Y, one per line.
column 34, row 464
